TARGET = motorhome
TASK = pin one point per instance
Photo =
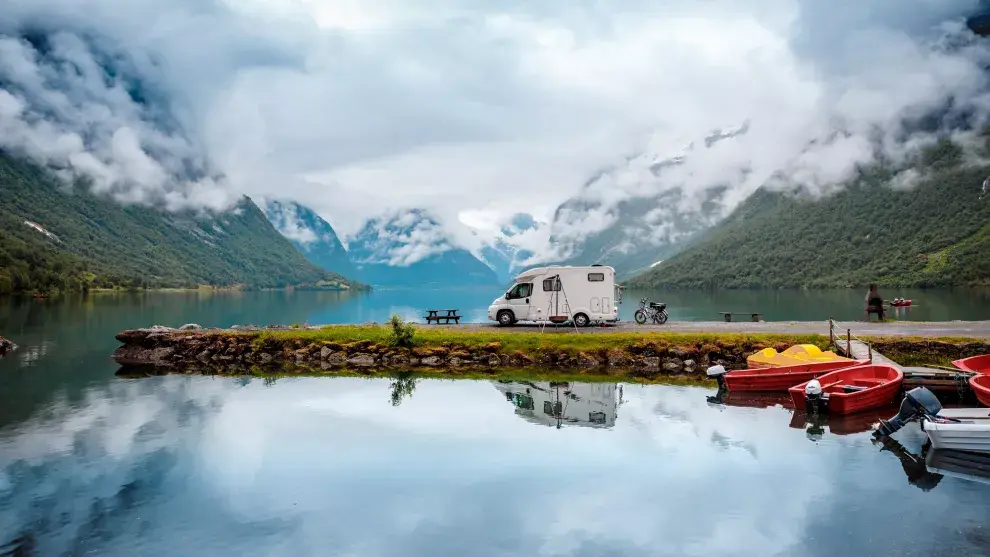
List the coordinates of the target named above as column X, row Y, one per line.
column 559, row 294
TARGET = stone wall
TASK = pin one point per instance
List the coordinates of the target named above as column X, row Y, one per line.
column 192, row 349
column 237, row 352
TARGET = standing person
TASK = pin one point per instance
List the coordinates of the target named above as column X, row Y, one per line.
column 874, row 302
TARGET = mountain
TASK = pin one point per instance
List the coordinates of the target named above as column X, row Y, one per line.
column 312, row 235
column 504, row 254
column 935, row 233
column 639, row 212
column 411, row 248
column 55, row 236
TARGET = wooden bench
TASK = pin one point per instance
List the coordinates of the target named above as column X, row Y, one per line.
column 433, row 315
column 727, row 315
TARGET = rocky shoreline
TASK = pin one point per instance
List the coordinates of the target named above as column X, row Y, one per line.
column 232, row 351
column 192, row 349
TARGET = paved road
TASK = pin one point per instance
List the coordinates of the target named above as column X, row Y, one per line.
column 967, row 329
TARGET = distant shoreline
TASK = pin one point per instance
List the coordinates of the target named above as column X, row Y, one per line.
column 177, row 290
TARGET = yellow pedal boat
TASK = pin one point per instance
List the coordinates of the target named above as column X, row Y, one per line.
column 795, row 355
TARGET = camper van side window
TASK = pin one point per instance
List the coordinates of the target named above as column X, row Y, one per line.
column 549, row 286
column 596, row 277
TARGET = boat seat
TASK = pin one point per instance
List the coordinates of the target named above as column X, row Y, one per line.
column 867, row 382
column 853, row 388
column 830, row 385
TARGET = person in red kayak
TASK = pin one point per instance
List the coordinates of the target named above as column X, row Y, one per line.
column 874, row 302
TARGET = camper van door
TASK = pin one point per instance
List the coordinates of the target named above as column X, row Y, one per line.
column 520, row 299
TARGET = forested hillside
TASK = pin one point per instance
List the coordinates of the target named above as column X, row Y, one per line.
column 936, row 233
column 86, row 241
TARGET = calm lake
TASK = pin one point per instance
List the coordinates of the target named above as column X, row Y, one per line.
column 185, row 465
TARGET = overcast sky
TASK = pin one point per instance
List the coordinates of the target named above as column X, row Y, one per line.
column 476, row 110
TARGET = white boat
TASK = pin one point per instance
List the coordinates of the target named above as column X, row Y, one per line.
column 966, row 429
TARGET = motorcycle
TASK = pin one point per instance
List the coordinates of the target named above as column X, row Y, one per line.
column 655, row 311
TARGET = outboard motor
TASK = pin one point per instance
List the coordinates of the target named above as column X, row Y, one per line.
column 718, row 373
column 814, row 401
column 918, row 403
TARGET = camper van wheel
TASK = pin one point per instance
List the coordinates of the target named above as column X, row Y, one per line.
column 505, row 318
column 581, row 320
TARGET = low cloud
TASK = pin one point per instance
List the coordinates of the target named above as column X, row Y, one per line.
column 286, row 220
column 356, row 109
column 400, row 239
column 86, row 118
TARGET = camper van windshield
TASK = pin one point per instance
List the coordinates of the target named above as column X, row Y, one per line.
column 522, row 290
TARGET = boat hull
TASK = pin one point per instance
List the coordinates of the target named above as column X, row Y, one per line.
column 971, row 433
column 975, row 364
column 779, row 379
column 879, row 386
column 981, row 388
column 959, row 437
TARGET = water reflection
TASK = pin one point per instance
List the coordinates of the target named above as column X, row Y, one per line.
column 402, row 385
column 959, row 464
column 914, row 466
column 840, row 424
column 375, row 467
column 917, row 468
column 554, row 404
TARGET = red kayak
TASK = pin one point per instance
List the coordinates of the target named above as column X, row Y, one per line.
column 981, row 386
column 975, row 364
column 900, row 304
column 854, row 389
column 781, row 378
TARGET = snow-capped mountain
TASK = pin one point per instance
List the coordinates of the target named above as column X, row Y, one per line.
column 311, row 235
column 506, row 254
column 641, row 211
column 413, row 248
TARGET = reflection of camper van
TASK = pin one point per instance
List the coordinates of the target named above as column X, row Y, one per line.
column 555, row 404
column 557, row 294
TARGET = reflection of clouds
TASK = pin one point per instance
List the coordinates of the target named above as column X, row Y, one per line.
column 30, row 355
column 329, row 466
column 72, row 472
column 686, row 495
column 452, row 438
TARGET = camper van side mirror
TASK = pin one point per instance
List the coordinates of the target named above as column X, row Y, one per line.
column 506, row 295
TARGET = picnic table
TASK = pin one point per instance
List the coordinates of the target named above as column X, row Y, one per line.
column 433, row 315
column 727, row 315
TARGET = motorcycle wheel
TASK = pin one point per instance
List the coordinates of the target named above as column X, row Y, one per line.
column 661, row 317
column 640, row 316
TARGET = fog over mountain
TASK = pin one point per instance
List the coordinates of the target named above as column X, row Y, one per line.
column 476, row 111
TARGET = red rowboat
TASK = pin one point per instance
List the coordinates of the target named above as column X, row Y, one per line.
column 782, row 378
column 854, row 389
column 975, row 364
column 901, row 304
column 981, row 386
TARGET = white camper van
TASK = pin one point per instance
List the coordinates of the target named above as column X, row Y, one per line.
column 557, row 294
